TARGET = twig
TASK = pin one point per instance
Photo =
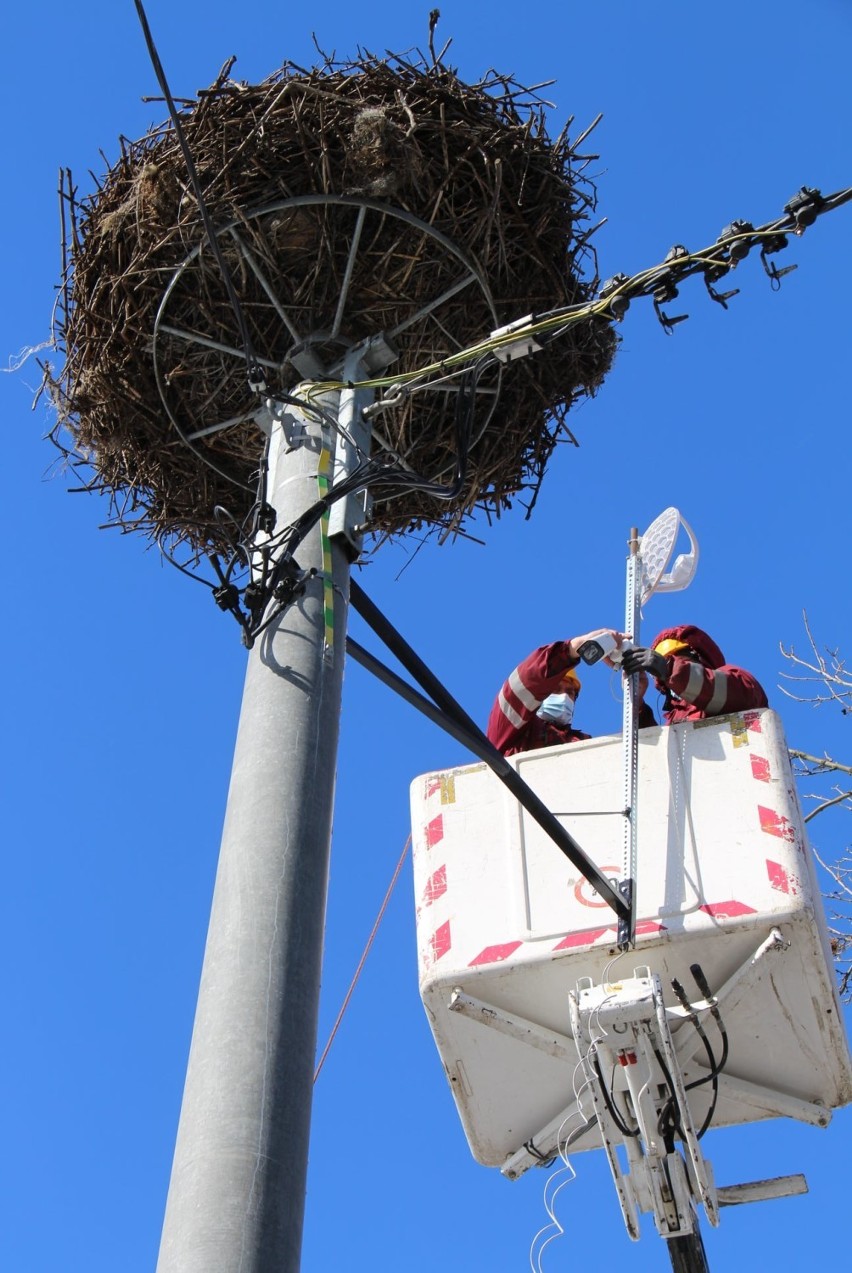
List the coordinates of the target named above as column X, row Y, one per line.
column 824, row 762
column 826, row 804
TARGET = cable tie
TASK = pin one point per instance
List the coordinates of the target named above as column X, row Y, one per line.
column 542, row 1160
column 776, row 275
column 721, row 298
column 669, row 322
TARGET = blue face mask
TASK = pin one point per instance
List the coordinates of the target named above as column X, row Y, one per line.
column 558, row 708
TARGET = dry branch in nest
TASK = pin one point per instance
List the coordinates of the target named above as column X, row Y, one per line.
column 450, row 193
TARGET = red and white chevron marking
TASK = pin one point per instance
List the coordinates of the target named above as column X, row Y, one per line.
column 440, row 792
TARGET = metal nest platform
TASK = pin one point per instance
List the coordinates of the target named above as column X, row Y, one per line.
column 378, row 196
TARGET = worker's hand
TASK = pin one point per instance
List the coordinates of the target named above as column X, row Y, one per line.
column 577, row 642
column 648, row 661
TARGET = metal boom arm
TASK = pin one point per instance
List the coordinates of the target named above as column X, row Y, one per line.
column 467, row 731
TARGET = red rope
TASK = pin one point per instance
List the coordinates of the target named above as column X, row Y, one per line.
column 362, row 960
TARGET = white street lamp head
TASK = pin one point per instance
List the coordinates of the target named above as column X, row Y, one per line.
column 656, row 548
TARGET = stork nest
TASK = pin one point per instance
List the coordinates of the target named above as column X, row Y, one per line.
column 462, row 199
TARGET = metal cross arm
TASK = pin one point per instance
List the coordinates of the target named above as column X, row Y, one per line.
column 448, row 712
column 411, row 695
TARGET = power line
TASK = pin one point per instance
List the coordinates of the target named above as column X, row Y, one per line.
column 661, row 283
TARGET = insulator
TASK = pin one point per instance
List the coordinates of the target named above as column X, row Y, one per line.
column 805, row 206
column 740, row 248
column 619, row 305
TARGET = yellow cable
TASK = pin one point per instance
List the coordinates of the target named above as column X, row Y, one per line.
column 567, row 317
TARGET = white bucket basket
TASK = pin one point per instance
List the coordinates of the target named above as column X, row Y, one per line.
column 506, row 926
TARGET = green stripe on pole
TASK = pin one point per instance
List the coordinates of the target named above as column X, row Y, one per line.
column 327, row 583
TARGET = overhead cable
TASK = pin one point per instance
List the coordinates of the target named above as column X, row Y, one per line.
column 256, row 377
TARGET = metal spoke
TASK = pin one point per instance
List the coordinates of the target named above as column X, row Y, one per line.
column 383, row 442
column 261, row 280
column 266, row 285
column 449, row 335
column 350, row 266
column 193, row 339
column 217, row 428
column 438, row 301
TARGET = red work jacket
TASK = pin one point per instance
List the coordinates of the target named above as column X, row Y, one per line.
column 513, row 725
column 696, row 690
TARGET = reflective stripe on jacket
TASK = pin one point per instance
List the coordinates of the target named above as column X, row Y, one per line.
column 710, row 688
column 513, row 725
column 702, row 691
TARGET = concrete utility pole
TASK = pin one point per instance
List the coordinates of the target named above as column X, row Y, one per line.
column 236, row 1197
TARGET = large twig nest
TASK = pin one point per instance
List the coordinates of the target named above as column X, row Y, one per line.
column 389, row 182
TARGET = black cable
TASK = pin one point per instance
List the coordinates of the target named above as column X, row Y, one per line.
column 708, row 1117
column 692, row 1017
column 704, row 986
column 213, row 558
column 547, row 1160
column 616, row 1117
column 222, row 514
column 464, row 417
column 379, row 472
column 255, row 375
column 410, row 694
column 666, row 1120
column 669, row 1119
column 370, row 471
column 241, row 550
column 183, row 569
column 484, row 748
column 542, row 1160
column 715, row 1067
column 260, row 506
column 385, row 472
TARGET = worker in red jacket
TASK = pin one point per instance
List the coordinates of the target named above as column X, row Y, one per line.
column 535, row 707
column 690, row 670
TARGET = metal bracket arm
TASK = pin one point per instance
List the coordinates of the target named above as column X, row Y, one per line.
column 762, row 1190
column 768, row 1099
column 775, row 943
column 545, row 1141
column 480, row 745
column 553, row 1043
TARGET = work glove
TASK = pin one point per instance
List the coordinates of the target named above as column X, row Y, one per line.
column 642, row 660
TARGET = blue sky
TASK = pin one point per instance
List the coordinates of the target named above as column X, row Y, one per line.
column 123, row 682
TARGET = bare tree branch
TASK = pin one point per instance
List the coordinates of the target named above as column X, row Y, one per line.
column 826, row 804
column 828, row 681
column 841, row 937
column 828, row 670
column 824, row 763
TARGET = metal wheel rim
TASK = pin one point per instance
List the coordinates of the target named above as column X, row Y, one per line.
column 472, row 275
